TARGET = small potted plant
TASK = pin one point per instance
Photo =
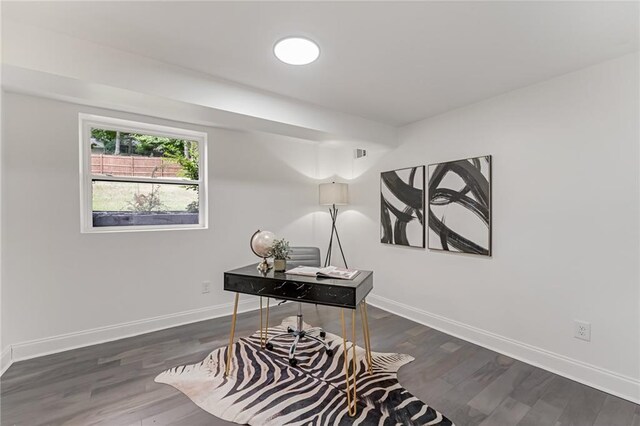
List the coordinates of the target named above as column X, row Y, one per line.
column 280, row 251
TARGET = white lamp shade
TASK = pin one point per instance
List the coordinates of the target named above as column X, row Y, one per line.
column 334, row 193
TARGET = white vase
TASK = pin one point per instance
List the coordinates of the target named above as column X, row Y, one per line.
column 279, row 265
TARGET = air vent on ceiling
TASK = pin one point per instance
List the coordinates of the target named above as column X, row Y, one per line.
column 359, row 153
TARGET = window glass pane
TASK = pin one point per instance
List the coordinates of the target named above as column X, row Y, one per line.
column 115, row 153
column 140, row 204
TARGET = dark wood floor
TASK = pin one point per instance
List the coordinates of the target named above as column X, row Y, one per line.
column 112, row 383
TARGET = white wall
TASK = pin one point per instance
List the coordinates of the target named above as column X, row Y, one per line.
column 565, row 209
column 57, row 281
column 565, row 227
column 5, row 355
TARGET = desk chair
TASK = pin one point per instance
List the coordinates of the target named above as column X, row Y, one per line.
column 302, row 256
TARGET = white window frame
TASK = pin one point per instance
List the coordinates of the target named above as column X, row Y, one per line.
column 89, row 121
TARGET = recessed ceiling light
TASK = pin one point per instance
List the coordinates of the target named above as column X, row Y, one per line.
column 296, row 50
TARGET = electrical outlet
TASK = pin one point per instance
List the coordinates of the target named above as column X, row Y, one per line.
column 206, row 287
column 582, row 330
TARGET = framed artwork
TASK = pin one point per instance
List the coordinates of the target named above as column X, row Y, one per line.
column 402, row 207
column 459, row 203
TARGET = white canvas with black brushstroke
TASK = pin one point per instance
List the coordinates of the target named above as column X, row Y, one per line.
column 402, row 207
column 459, row 206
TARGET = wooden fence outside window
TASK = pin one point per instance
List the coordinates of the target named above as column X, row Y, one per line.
column 125, row 165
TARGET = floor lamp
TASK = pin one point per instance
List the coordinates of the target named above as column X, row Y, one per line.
column 334, row 194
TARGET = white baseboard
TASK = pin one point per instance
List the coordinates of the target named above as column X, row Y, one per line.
column 590, row 375
column 64, row 342
column 5, row 360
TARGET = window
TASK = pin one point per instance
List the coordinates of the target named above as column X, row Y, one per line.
column 138, row 176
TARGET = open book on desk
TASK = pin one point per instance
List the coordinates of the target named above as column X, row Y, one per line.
column 326, row 272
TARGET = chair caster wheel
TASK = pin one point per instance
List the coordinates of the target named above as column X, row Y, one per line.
column 329, row 352
column 289, row 330
column 323, row 334
column 293, row 362
column 269, row 346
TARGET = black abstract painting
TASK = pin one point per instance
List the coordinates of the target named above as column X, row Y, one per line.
column 460, row 206
column 402, row 207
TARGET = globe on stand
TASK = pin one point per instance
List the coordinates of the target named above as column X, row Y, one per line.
column 261, row 243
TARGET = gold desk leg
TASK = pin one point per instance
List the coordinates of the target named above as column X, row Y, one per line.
column 365, row 332
column 261, row 338
column 233, row 332
column 266, row 328
column 264, row 332
column 350, row 382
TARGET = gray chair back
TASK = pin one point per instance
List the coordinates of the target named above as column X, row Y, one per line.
column 303, row 256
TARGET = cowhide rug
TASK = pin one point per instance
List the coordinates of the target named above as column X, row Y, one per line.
column 263, row 389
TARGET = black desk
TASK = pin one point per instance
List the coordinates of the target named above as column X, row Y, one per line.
column 321, row 291
column 346, row 294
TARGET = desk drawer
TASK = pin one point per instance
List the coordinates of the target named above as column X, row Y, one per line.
column 322, row 294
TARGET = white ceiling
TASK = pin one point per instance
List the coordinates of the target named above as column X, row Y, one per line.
column 393, row 62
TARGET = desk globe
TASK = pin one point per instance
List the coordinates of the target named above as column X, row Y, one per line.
column 261, row 243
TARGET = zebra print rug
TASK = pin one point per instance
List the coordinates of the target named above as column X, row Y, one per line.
column 262, row 389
